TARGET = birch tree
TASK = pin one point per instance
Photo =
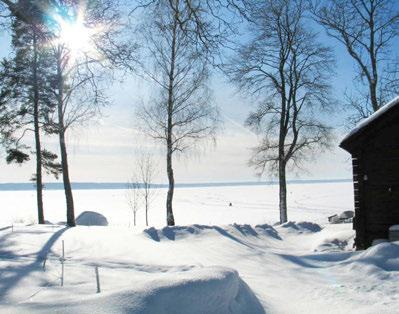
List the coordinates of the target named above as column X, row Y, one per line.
column 147, row 171
column 182, row 114
column 141, row 190
column 77, row 82
column 84, row 38
column 287, row 71
column 133, row 197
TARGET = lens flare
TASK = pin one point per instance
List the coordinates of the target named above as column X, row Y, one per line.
column 75, row 35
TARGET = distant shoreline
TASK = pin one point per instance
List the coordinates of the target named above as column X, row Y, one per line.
column 122, row 186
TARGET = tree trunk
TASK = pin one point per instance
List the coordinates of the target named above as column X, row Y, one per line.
column 373, row 96
column 170, row 220
column 64, row 155
column 283, row 192
column 374, row 74
column 39, row 182
column 146, row 211
column 67, row 182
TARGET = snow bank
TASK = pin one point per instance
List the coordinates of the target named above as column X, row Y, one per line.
column 203, row 290
column 334, row 239
column 302, row 227
column 89, row 218
column 182, row 232
column 384, row 256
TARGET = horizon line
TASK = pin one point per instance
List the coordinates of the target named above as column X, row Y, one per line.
column 28, row 186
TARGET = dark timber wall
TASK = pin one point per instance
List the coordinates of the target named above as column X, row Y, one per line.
column 375, row 160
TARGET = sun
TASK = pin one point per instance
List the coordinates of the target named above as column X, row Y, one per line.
column 75, row 35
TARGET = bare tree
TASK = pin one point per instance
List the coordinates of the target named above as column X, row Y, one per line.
column 285, row 66
column 368, row 30
column 79, row 98
column 210, row 24
column 147, row 170
column 78, row 77
column 133, row 197
column 74, row 80
column 182, row 114
column 141, row 186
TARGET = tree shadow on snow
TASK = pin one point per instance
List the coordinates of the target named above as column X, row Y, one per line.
column 318, row 260
column 12, row 275
column 171, row 233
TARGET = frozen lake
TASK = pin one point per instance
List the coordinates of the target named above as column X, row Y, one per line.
column 251, row 204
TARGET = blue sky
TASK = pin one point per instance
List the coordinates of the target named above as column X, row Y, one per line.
column 107, row 148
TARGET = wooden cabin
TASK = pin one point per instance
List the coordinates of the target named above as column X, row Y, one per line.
column 374, row 146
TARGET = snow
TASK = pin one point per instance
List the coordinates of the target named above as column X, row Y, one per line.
column 89, row 218
column 208, row 206
column 240, row 262
column 205, row 290
column 365, row 122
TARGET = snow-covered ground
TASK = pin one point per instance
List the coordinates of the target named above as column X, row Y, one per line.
column 220, row 259
column 208, row 205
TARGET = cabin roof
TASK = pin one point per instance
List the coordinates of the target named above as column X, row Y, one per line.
column 367, row 123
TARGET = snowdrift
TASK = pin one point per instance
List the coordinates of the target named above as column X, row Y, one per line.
column 302, row 226
column 203, row 290
column 384, row 256
column 334, row 239
column 231, row 231
column 89, row 218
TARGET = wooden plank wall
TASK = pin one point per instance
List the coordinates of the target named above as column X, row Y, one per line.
column 359, row 222
column 379, row 193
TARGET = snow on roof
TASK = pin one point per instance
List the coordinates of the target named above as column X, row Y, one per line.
column 365, row 122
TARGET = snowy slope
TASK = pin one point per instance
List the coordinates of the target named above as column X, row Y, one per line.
column 164, row 270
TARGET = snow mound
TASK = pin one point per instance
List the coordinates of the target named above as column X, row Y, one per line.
column 172, row 233
column 333, row 245
column 302, row 227
column 384, row 256
column 89, row 218
column 267, row 230
column 249, row 231
column 334, row 240
column 205, row 290
column 230, row 231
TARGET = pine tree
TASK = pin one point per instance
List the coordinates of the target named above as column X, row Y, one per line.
column 25, row 94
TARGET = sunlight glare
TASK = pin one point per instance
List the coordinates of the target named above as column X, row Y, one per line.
column 77, row 37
